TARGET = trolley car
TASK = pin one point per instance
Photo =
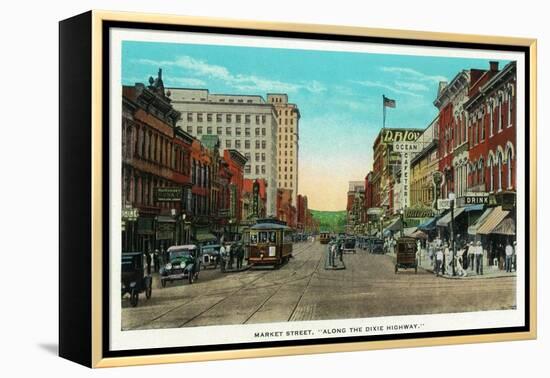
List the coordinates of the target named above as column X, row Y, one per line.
column 269, row 243
column 324, row 237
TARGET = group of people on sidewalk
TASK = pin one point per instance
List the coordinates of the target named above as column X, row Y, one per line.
column 231, row 254
column 469, row 257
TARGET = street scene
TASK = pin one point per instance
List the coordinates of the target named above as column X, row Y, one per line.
column 313, row 187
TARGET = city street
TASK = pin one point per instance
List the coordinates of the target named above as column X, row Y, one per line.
column 304, row 290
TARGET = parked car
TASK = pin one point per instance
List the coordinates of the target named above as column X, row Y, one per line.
column 376, row 245
column 210, row 255
column 183, row 263
column 134, row 277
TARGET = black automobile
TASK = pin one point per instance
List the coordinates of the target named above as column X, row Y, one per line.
column 210, row 255
column 134, row 277
column 376, row 246
column 183, row 263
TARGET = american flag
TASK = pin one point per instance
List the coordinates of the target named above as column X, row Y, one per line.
column 388, row 102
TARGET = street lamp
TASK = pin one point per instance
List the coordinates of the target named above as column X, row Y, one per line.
column 381, row 223
column 401, row 212
column 452, row 204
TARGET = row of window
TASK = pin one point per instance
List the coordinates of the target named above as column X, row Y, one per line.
column 286, row 169
column 259, row 157
column 286, row 184
column 228, row 131
column 238, row 144
column 258, row 169
column 292, row 138
column 148, row 144
column 287, row 152
column 286, row 177
column 229, row 118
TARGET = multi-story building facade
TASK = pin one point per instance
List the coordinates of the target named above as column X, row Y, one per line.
column 301, row 212
column 286, row 211
column 492, row 131
column 355, row 208
column 288, row 117
column 254, row 205
column 236, row 163
column 244, row 123
column 155, row 154
column 453, row 136
column 423, row 165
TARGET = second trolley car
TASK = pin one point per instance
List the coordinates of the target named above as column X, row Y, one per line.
column 324, row 237
column 269, row 243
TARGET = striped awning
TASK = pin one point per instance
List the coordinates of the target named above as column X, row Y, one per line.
column 492, row 221
column 506, row 227
column 472, row 230
column 446, row 219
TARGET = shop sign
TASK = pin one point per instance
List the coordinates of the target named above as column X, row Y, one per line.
column 477, row 199
column 130, row 213
column 165, row 230
column 400, row 135
column 407, row 147
column 443, row 204
column 168, row 194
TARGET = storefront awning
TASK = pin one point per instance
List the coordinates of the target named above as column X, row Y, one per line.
column 506, row 227
column 165, row 219
column 394, row 226
column 202, row 237
column 419, row 235
column 446, row 219
column 478, row 207
column 428, row 225
column 409, row 231
column 472, row 230
column 492, row 221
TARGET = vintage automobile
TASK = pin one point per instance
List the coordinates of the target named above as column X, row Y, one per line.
column 134, row 277
column 210, row 255
column 183, row 263
column 406, row 254
column 349, row 244
column 376, row 246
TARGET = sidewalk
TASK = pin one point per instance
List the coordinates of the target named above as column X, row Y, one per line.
column 488, row 271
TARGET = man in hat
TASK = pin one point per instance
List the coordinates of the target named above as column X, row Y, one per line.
column 479, row 258
column 509, row 252
column 471, row 255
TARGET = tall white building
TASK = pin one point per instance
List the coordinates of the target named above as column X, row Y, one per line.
column 241, row 122
column 288, row 117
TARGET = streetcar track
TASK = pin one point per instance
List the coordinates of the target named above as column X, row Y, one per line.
column 305, row 289
column 241, row 288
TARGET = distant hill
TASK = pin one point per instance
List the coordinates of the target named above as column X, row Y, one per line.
column 333, row 221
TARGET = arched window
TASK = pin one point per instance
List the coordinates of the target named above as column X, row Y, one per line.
column 491, row 174
column 510, row 107
column 500, row 101
column 491, row 118
column 510, row 168
column 499, row 173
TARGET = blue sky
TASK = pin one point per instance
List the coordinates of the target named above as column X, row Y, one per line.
column 339, row 95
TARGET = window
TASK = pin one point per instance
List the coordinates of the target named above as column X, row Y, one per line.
column 249, row 101
column 263, row 119
column 199, row 117
column 238, row 131
column 257, row 169
column 257, row 156
column 240, row 100
column 263, row 156
column 189, row 117
column 228, row 131
column 499, row 173
column 218, row 117
column 247, row 131
column 247, row 144
column 237, row 144
column 257, row 144
column 263, row 131
column 190, row 129
column 247, row 118
column 209, row 117
column 263, row 144
column 231, row 100
column 227, row 143
column 209, row 130
column 491, row 175
column 510, row 107
column 257, row 131
column 238, row 118
column 491, row 121
column 500, row 100
column 247, row 168
column 257, row 120
column 286, row 121
column 228, row 118
column 199, row 130
column 219, row 130
column 510, row 167
column 247, row 156
column 263, row 169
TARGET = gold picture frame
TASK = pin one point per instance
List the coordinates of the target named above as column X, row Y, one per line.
column 83, row 297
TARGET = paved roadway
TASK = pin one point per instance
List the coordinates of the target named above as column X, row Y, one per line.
column 304, row 290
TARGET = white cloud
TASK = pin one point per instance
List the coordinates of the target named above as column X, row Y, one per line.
column 414, row 74
column 184, row 81
column 202, row 68
column 412, row 86
column 390, row 87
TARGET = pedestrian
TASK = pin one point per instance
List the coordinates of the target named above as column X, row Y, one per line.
column 330, row 252
column 509, row 251
column 438, row 261
column 231, row 253
column 223, row 257
column 240, row 255
column 514, row 259
column 148, row 260
column 448, row 259
column 156, row 260
column 471, row 255
column 479, row 258
column 341, row 252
